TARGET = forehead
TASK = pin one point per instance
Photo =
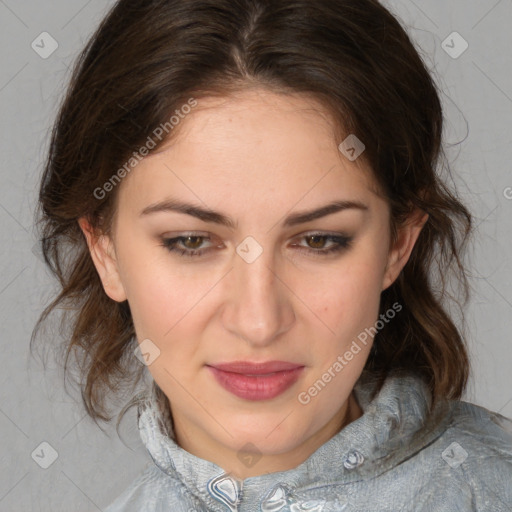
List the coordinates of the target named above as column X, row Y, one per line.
column 249, row 145
column 282, row 124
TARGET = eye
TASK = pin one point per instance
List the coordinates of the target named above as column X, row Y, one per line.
column 192, row 245
column 316, row 243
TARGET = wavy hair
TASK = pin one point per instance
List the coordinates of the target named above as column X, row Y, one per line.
column 148, row 57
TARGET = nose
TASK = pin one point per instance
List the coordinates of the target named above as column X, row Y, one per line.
column 258, row 309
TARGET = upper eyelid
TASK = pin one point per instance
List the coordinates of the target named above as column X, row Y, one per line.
column 327, row 234
column 203, row 234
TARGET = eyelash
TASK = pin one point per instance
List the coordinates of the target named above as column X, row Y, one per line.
column 341, row 243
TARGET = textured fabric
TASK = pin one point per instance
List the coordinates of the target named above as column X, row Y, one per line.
column 395, row 457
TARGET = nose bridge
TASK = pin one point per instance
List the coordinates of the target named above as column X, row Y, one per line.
column 258, row 303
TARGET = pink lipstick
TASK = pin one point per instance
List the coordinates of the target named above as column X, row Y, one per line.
column 256, row 381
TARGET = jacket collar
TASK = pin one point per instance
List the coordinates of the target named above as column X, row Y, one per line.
column 395, row 424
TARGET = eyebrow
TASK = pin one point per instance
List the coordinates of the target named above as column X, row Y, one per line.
column 208, row 215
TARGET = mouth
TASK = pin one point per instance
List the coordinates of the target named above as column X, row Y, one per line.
column 256, row 381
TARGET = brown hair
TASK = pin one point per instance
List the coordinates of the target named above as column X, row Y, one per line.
column 147, row 58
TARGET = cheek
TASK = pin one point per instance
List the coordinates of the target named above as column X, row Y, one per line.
column 168, row 310
column 347, row 297
column 162, row 301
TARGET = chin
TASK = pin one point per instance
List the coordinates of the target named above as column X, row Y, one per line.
column 267, row 437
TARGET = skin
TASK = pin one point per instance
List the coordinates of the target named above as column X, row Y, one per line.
column 256, row 157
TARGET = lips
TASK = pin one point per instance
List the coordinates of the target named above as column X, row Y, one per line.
column 248, row 368
column 256, row 381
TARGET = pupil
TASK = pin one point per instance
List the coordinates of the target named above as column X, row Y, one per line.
column 196, row 238
column 316, row 237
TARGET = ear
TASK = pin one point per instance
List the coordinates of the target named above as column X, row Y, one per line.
column 102, row 253
column 400, row 251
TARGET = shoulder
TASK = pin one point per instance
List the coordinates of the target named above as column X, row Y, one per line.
column 486, row 433
column 148, row 491
column 477, row 450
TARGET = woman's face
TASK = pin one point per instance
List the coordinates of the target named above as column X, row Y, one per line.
column 268, row 285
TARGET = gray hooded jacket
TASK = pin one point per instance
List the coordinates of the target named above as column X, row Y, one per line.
column 394, row 458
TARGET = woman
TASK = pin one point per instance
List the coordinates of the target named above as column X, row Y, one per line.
column 244, row 198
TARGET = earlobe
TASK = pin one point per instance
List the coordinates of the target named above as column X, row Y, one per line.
column 401, row 250
column 102, row 253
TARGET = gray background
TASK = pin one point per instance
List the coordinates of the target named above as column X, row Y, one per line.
column 93, row 468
